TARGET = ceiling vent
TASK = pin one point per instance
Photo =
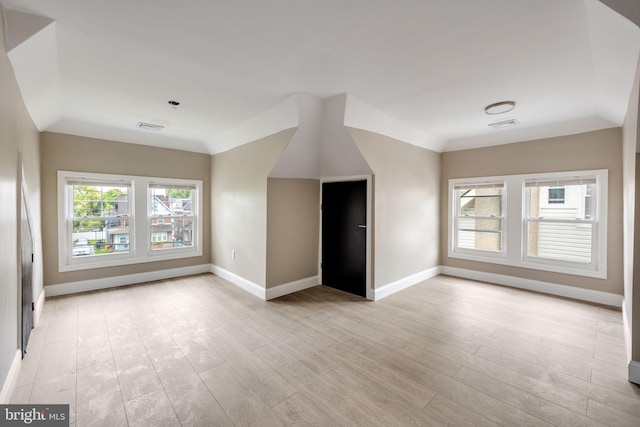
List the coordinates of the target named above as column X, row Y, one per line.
column 504, row 124
column 149, row 126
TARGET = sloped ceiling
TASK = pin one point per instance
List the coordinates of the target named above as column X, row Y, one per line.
column 426, row 67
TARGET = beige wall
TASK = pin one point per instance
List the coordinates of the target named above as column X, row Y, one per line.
column 76, row 153
column 17, row 135
column 239, row 205
column 593, row 150
column 406, row 206
column 293, row 224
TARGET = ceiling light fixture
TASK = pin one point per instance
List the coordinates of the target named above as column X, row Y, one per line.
column 500, row 107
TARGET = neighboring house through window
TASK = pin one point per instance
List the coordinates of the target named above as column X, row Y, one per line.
column 561, row 231
column 479, row 224
column 171, row 213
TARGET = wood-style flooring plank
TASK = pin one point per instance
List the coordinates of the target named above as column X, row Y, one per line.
column 446, row 352
column 453, row 414
column 237, row 399
column 538, row 407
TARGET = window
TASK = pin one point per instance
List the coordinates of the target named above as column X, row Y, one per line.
column 159, row 237
column 563, row 232
column 99, row 214
column 556, row 195
column 171, row 213
column 555, row 221
column 99, row 226
column 479, row 222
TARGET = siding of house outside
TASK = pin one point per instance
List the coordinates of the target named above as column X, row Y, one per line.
column 569, row 242
column 487, row 202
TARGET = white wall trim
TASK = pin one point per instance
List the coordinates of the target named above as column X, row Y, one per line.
column 291, row 287
column 245, row 284
column 634, row 372
column 12, row 377
column 398, row 285
column 39, row 307
column 129, row 279
column 627, row 331
column 599, row 297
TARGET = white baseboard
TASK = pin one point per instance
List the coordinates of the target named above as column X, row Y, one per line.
column 39, row 307
column 398, row 285
column 634, row 372
column 12, row 377
column 291, row 287
column 259, row 291
column 245, row 284
column 129, row 279
column 599, row 297
column 626, row 326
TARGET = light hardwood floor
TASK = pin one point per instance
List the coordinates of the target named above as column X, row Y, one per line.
column 199, row 351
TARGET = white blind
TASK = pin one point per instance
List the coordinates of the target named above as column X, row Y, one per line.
column 173, row 186
column 473, row 186
column 560, row 182
column 97, row 183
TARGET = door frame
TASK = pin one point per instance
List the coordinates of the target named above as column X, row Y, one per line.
column 370, row 292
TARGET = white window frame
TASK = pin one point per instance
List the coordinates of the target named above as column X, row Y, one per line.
column 597, row 221
column 484, row 183
column 515, row 205
column 139, row 223
column 196, row 213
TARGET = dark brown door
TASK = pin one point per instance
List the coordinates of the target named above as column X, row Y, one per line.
column 26, row 255
column 344, row 236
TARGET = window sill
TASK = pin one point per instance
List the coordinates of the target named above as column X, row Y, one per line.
column 89, row 264
column 544, row 265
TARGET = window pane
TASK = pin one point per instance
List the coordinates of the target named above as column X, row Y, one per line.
column 480, row 202
column 100, row 237
column 560, row 241
column 100, row 201
column 171, row 216
column 176, row 232
column 567, row 202
column 556, row 195
column 170, row 201
column 481, row 234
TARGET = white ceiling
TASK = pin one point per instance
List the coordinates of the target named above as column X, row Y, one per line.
column 430, row 65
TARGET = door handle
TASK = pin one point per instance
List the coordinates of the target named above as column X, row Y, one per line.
column 362, row 226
